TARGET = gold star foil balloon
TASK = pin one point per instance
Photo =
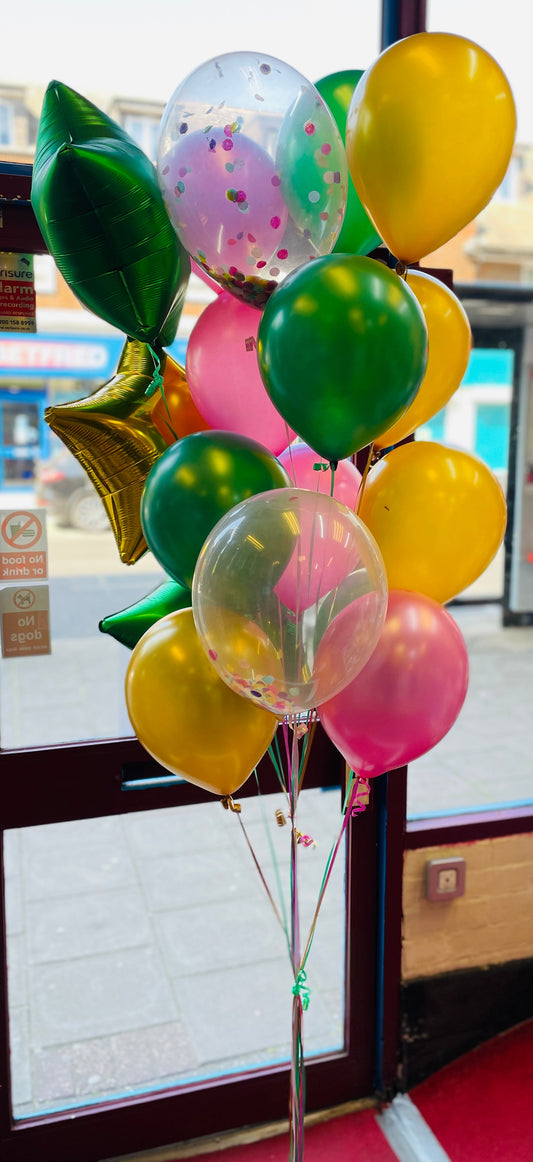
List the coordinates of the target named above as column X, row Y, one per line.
column 113, row 437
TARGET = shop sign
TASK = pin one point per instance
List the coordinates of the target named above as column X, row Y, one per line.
column 25, row 620
column 23, row 546
column 17, row 293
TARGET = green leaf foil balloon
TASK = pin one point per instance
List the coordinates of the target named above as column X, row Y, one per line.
column 357, row 235
column 193, row 485
column 128, row 625
column 97, row 201
column 342, row 346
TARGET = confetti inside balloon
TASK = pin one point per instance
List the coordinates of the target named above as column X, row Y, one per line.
column 253, row 171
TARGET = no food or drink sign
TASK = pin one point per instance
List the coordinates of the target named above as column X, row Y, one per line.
column 23, row 546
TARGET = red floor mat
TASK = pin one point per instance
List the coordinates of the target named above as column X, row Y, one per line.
column 481, row 1107
column 356, row 1137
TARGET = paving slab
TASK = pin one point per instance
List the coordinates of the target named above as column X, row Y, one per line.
column 110, row 993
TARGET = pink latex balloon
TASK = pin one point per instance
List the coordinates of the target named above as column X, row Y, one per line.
column 299, row 461
column 409, row 693
column 200, row 273
column 223, row 375
column 223, row 194
column 323, row 557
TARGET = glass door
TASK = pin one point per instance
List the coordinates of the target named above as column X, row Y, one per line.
column 22, row 437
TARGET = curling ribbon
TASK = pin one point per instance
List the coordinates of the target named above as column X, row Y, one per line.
column 301, row 989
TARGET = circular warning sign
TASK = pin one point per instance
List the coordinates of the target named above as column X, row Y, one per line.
column 24, row 598
column 21, row 530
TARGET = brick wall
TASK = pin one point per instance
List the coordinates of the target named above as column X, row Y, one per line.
column 492, row 923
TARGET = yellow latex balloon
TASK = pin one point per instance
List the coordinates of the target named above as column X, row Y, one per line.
column 438, row 516
column 429, row 135
column 185, row 716
column 449, row 343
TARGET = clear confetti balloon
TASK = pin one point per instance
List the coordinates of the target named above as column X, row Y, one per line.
column 289, row 597
column 253, row 171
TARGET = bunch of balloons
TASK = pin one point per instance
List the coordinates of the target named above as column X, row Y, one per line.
column 292, row 584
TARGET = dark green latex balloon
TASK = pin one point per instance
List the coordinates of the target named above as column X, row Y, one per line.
column 342, row 348
column 193, row 485
column 128, row 626
column 357, row 235
column 97, row 201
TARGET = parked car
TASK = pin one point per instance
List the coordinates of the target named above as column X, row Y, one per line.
column 63, row 486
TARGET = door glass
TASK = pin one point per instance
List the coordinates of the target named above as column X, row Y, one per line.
column 477, row 419
column 496, row 247
column 143, row 951
column 77, row 691
column 19, row 425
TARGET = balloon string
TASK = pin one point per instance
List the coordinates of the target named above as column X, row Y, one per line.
column 308, row 742
column 261, row 875
column 364, row 477
column 358, row 791
column 289, row 445
column 157, row 378
column 297, row 1087
column 281, row 895
column 334, row 464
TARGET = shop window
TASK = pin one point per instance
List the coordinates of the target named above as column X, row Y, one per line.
column 6, row 123
column 492, row 434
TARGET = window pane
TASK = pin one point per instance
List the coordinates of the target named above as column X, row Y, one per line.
column 485, row 759
column 125, row 933
column 498, row 246
column 477, row 420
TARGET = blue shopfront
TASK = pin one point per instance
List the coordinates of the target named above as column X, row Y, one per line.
column 37, row 371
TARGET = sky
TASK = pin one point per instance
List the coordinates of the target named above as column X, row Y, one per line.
column 145, row 49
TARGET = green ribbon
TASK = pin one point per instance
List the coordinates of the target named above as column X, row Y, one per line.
column 157, row 380
column 301, row 989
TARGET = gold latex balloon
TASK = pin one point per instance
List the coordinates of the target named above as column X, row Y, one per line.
column 174, row 413
column 112, row 435
column 429, row 136
column 185, row 716
column 449, row 344
column 438, row 516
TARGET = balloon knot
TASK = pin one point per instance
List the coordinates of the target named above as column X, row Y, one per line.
column 401, row 269
column 334, row 464
column 301, row 989
column 156, row 383
column 362, row 794
column 229, row 805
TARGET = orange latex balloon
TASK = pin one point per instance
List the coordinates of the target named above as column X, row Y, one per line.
column 175, row 414
column 185, row 716
column 438, row 516
column 449, row 344
column 429, row 136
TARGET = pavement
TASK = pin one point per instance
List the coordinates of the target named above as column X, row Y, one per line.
column 143, row 950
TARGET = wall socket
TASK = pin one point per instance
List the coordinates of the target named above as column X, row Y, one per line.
column 445, row 878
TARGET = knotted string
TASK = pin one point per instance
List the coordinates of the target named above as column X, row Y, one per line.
column 301, row 989
column 157, row 378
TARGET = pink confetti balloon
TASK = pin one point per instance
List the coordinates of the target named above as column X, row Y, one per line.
column 224, row 378
column 408, row 694
column 300, row 462
column 226, row 203
column 253, row 171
